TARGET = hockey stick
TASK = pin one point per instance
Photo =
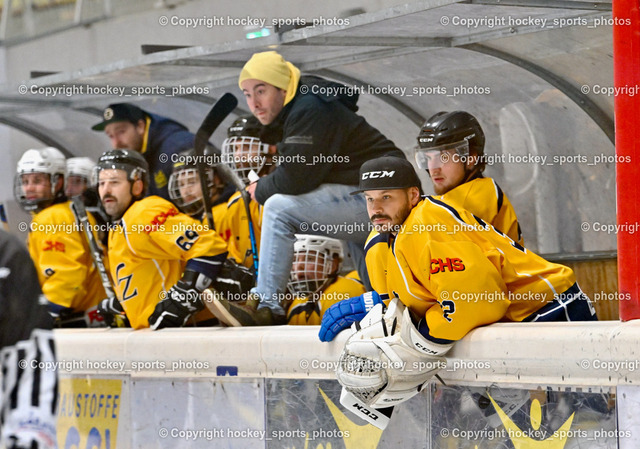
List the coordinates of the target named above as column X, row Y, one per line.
column 232, row 176
column 3, row 218
column 216, row 115
column 77, row 206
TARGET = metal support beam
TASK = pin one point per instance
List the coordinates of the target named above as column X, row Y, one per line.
column 396, row 104
column 600, row 117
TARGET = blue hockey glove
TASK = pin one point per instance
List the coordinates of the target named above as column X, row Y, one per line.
column 341, row 315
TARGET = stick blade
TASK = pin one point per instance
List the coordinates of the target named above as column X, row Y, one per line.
column 214, row 118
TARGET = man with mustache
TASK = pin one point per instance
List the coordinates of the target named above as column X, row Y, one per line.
column 449, row 272
column 160, row 259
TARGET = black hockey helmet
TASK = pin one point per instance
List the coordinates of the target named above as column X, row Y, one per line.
column 245, row 126
column 130, row 161
column 457, row 130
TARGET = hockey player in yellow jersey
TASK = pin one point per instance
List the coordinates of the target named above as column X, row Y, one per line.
column 451, row 149
column 57, row 245
column 314, row 281
column 244, row 153
column 449, row 272
column 161, row 260
column 185, row 190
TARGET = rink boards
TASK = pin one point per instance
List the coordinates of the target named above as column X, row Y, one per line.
column 507, row 386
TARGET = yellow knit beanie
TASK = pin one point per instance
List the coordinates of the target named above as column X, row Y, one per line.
column 271, row 68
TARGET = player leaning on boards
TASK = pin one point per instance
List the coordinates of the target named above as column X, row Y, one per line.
column 160, row 259
column 321, row 143
column 451, row 149
column 453, row 272
column 58, row 247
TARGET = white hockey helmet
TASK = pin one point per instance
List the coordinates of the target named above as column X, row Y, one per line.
column 313, row 263
column 80, row 167
column 47, row 160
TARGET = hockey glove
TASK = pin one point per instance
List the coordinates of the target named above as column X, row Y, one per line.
column 109, row 308
column 340, row 316
column 388, row 361
column 180, row 302
column 234, row 281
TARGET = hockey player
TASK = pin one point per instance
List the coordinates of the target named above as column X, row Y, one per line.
column 451, row 149
column 27, row 354
column 79, row 171
column 57, row 245
column 161, row 260
column 450, row 273
column 314, row 281
column 243, row 151
column 78, row 182
column 185, row 190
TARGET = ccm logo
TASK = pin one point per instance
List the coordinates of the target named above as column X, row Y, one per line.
column 440, row 266
column 378, row 174
column 365, row 411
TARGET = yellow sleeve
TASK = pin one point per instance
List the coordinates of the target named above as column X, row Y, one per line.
column 234, row 229
column 484, row 198
column 61, row 256
column 304, row 311
column 157, row 230
column 377, row 255
column 467, row 286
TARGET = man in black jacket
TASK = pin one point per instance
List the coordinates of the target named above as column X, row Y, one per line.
column 321, row 144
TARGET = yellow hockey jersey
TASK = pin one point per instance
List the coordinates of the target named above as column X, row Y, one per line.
column 234, row 229
column 62, row 257
column 485, row 199
column 309, row 311
column 460, row 273
column 148, row 251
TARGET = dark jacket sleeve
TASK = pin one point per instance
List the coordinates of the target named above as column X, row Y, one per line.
column 22, row 306
column 311, row 141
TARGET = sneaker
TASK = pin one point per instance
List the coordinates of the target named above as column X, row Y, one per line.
column 244, row 313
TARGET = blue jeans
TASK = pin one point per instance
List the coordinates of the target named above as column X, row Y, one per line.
column 328, row 210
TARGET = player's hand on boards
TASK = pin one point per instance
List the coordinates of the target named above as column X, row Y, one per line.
column 109, row 308
column 179, row 304
column 341, row 315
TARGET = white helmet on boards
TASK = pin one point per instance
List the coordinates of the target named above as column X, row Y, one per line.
column 49, row 161
column 316, row 263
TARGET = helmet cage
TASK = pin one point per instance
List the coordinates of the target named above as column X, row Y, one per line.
column 188, row 176
column 313, row 264
column 37, row 204
column 244, row 154
column 49, row 161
